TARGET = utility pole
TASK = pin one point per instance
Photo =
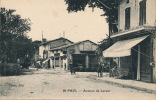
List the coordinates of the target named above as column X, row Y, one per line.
column 42, row 36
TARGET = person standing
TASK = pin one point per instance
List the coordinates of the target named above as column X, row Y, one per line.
column 100, row 70
column 65, row 66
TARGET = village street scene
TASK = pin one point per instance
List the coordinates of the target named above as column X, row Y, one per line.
column 78, row 49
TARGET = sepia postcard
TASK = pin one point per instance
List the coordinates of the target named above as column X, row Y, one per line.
column 78, row 49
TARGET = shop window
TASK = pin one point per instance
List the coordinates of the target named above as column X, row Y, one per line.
column 127, row 18
column 142, row 16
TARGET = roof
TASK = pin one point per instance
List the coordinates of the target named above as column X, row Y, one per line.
column 68, row 45
column 80, row 42
column 55, row 40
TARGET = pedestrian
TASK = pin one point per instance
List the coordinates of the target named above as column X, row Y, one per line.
column 65, row 66
column 113, row 70
column 100, row 70
column 72, row 69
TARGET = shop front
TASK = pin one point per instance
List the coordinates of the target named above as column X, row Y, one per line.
column 132, row 57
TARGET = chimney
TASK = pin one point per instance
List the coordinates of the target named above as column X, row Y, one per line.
column 63, row 34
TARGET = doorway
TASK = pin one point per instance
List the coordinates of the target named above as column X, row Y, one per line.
column 134, row 62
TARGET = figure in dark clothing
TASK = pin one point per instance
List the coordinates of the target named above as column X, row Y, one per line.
column 72, row 69
column 65, row 66
column 100, row 70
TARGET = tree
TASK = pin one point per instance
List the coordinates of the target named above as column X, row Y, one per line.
column 109, row 7
column 35, row 45
column 14, row 42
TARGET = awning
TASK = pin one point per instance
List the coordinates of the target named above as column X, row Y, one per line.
column 122, row 48
column 45, row 61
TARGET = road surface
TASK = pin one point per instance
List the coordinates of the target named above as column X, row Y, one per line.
column 59, row 84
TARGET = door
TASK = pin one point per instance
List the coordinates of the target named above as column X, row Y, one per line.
column 56, row 62
column 134, row 62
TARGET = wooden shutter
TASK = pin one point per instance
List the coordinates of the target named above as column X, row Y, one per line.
column 127, row 18
column 142, row 16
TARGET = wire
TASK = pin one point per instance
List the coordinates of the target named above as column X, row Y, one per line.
column 142, row 53
column 104, row 4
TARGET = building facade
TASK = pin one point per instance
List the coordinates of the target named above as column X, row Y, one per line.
column 61, row 53
column 82, row 55
column 134, row 44
column 50, row 54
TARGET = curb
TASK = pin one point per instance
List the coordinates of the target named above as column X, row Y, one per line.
column 128, row 86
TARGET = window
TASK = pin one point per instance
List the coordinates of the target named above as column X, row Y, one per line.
column 127, row 1
column 142, row 16
column 127, row 18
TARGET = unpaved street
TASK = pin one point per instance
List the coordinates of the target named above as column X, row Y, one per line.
column 58, row 84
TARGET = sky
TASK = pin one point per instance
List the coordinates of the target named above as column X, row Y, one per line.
column 51, row 18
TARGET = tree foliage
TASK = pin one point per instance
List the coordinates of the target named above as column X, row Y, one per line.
column 14, row 43
column 109, row 7
column 110, row 10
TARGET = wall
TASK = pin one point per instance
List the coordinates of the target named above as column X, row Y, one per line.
column 41, row 49
column 52, row 44
column 70, row 51
column 134, row 5
column 154, row 55
column 77, row 48
column 151, row 12
column 87, row 46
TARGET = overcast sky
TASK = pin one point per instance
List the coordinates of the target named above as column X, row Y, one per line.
column 51, row 17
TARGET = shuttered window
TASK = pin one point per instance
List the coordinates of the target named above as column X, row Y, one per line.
column 142, row 16
column 127, row 18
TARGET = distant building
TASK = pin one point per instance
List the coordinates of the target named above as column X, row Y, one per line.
column 46, row 54
column 60, row 53
column 134, row 48
column 82, row 55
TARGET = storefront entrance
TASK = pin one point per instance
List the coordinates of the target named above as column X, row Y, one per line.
column 56, row 62
column 79, row 60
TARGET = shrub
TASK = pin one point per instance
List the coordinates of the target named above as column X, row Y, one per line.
column 9, row 69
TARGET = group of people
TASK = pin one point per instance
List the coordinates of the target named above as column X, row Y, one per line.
column 100, row 69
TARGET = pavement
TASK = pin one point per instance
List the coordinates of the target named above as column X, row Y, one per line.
column 134, row 84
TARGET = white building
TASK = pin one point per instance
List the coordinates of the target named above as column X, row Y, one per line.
column 135, row 42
